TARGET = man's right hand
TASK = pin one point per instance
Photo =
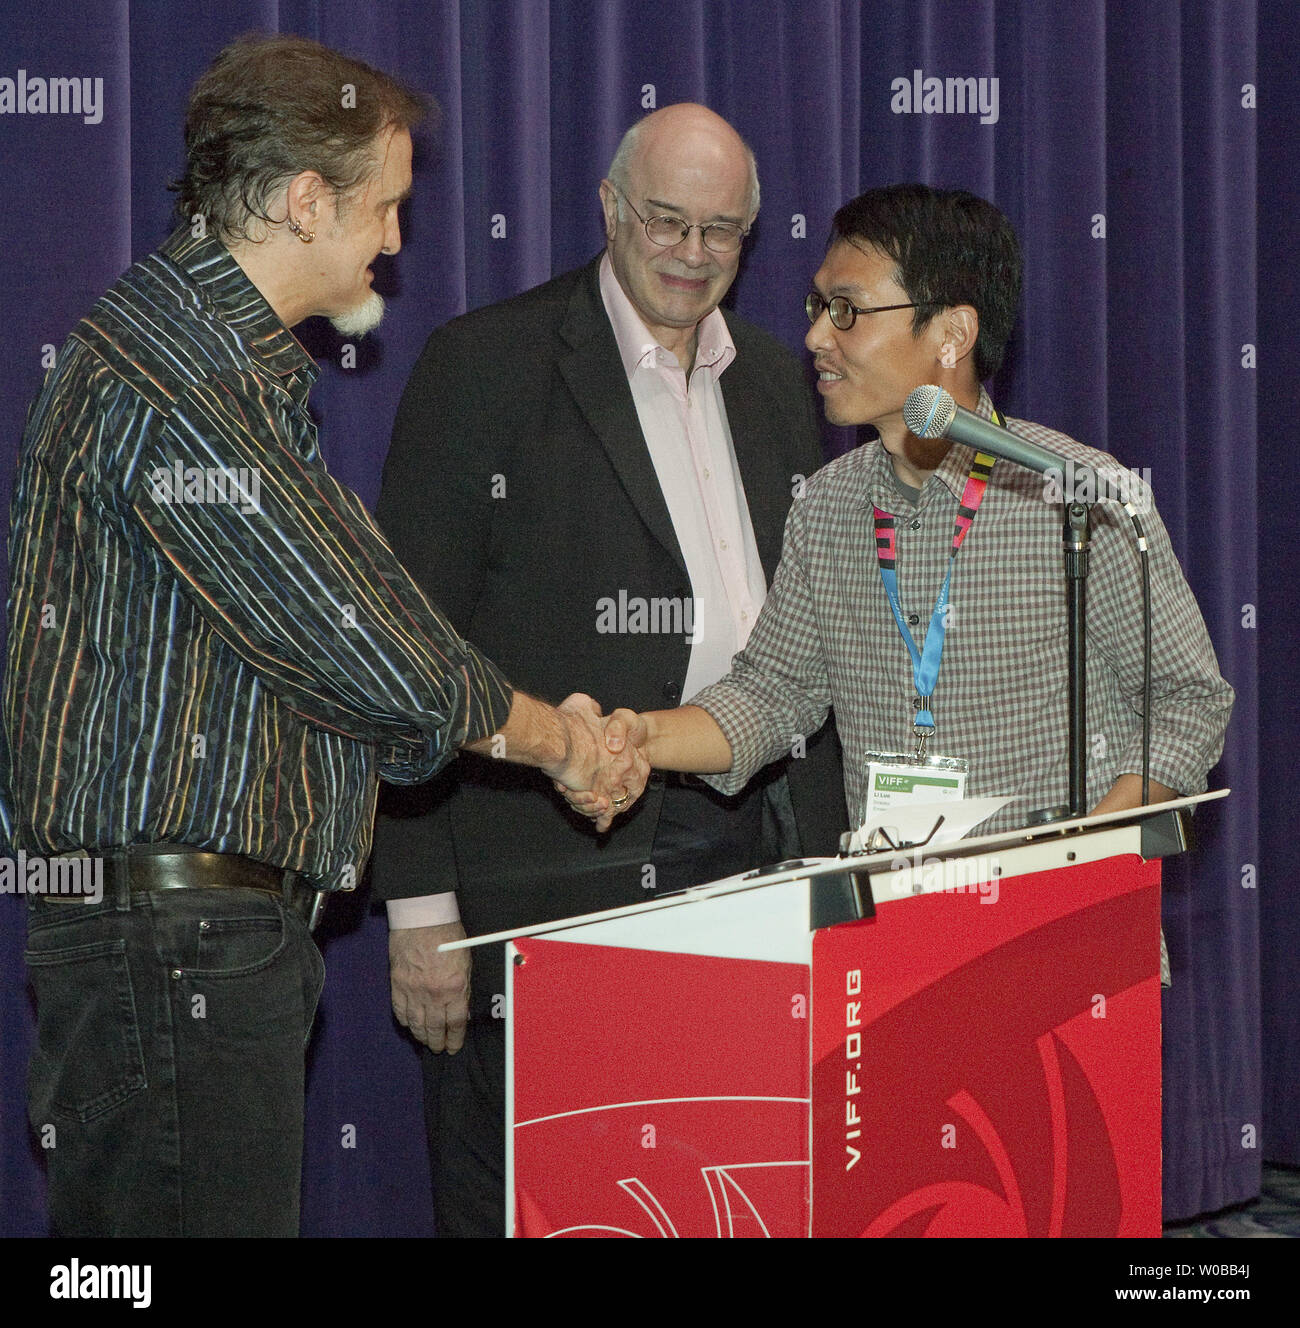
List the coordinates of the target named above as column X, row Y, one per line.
column 569, row 743
column 430, row 990
column 687, row 739
column 612, row 770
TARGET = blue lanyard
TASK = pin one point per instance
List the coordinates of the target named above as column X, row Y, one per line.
column 926, row 661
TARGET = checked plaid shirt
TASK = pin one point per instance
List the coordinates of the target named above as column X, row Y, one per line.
column 826, row 637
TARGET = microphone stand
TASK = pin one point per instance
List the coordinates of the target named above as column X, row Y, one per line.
column 1076, row 537
column 1075, row 541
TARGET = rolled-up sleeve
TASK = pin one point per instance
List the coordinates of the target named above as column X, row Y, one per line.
column 1191, row 702
column 777, row 692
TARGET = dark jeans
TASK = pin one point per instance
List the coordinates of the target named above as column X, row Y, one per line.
column 166, row 1086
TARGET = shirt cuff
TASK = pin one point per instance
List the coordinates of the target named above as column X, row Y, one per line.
column 746, row 728
column 423, row 911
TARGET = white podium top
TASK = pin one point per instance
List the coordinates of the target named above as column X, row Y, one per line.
column 777, row 928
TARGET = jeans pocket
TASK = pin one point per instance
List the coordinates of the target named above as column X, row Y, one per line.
column 87, row 1059
column 233, row 946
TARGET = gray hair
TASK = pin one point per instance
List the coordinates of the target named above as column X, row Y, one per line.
column 618, row 168
column 268, row 108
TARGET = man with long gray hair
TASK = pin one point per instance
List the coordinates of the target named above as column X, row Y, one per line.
column 214, row 656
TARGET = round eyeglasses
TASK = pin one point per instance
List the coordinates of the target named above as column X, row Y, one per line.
column 844, row 313
column 723, row 237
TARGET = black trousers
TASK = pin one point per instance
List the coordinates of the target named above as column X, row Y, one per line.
column 698, row 839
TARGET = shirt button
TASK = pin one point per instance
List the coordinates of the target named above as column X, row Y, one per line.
column 722, row 544
column 913, row 618
column 916, row 525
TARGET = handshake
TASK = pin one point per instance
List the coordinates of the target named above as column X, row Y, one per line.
column 605, row 767
column 601, row 762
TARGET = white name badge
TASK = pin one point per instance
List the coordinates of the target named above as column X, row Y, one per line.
column 897, row 780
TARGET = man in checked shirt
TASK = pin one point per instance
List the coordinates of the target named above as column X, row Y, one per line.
column 921, row 286
column 214, row 655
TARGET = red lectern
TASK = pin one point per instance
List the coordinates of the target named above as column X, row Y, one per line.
column 979, row 1057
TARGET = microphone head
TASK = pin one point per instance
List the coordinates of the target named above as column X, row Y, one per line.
column 929, row 412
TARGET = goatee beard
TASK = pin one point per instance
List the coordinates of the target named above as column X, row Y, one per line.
column 364, row 318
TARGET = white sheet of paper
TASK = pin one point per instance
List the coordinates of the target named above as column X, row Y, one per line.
column 909, row 824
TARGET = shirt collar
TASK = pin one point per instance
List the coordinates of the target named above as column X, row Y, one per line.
column 637, row 349
column 225, row 289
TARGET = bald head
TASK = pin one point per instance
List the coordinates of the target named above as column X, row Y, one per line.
column 686, row 133
column 686, row 163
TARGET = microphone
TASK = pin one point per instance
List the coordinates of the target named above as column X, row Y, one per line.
column 930, row 412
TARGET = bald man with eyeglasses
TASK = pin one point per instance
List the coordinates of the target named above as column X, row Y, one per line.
column 616, row 454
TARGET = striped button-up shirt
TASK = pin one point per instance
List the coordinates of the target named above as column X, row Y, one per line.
column 826, row 637
column 210, row 642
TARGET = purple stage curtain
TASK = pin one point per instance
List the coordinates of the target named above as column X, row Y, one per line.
column 1124, row 148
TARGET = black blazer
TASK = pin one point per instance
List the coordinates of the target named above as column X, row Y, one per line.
column 519, row 493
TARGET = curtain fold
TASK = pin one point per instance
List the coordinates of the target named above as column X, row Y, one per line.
column 1118, row 139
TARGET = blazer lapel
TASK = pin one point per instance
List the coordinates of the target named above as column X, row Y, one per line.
column 595, row 376
column 760, row 457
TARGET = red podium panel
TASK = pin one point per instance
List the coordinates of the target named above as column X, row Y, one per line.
column 992, row 1069
column 981, row 1061
column 658, row 1094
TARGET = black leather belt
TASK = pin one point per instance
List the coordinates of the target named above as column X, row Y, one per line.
column 177, row 867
